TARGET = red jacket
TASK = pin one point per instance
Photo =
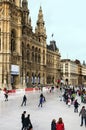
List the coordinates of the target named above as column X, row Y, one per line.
column 60, row 126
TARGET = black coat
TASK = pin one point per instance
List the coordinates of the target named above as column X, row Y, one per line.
column 76, row 104
column 53, row 125
column 28, row 123
column 24, row 98
column 23, row 118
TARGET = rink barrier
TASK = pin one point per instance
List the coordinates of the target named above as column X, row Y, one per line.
column 22, row 90
column 28, row 89
column 12, row 91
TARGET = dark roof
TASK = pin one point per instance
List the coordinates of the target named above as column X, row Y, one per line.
column 52, row 46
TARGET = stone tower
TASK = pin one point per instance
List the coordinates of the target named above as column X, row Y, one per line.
column 40, row 32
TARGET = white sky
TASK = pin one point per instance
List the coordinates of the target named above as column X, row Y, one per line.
column 67, row 20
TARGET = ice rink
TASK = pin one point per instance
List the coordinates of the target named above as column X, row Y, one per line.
column 11, row 110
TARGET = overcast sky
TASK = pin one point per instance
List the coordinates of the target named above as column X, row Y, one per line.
column 66, row 19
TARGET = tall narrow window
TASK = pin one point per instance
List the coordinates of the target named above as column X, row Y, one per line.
column 28, row 53
column 13, row 39
column 22, row 51
column 43, row 56
column 33, row 53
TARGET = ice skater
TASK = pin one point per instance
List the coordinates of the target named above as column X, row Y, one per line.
column 60, row 124
column 23, row 120
column 6, row 96
column 82, row 113
column 53, row 124
column 76, row 105
column 28, row 124
column 24, row 100
column 41, row 100
column 69, row 102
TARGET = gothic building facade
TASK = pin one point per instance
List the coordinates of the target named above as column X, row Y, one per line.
column 25, row 57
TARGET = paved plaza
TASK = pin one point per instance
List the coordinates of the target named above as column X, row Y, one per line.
column 11, row 110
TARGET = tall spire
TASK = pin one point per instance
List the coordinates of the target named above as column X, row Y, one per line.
column 40, row 28
column 29, row 21
column 40, row 17
column 25, row 11
column 25, row 4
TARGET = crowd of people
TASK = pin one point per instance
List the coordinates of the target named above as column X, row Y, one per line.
column 69, row 97
column 59, row 125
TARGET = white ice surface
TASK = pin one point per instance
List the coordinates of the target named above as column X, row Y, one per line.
column 10, row 111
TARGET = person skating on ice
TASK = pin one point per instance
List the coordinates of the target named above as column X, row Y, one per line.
column 82, row 113
column 24, row 100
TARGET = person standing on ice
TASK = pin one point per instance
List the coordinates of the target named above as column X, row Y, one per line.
column 23, row 120
column 41, row 100
column 76, row 105
column 69, row 102
column 6, row 95
column 82, row 113
column 53, row 124
column 28, row 124
column 24, row 100
column 60, row 124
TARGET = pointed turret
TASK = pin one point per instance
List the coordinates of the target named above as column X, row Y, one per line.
column 25, row 11
column 29, row 21
column 40, row 28
column 25, row 4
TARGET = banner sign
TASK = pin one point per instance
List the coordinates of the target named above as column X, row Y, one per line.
column 14, row 69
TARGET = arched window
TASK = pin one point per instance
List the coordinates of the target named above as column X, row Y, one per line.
column 36, row 57
column 36, row 54
column 22, row 51
column 13, row 39
column 33, row 56
column 43, row 56
column 28, row 52
column 28, row 55
column 39, row 58
column 33, row 53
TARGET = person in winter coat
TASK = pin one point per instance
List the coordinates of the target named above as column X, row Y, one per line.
column 83, row 115
column 60, row 124
column 69, row 102
column 24, row 100
column 53, row 124
column 28, row 124
column 6, row 96
column 41, row 100
column 76, row 105
column 23, row 120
